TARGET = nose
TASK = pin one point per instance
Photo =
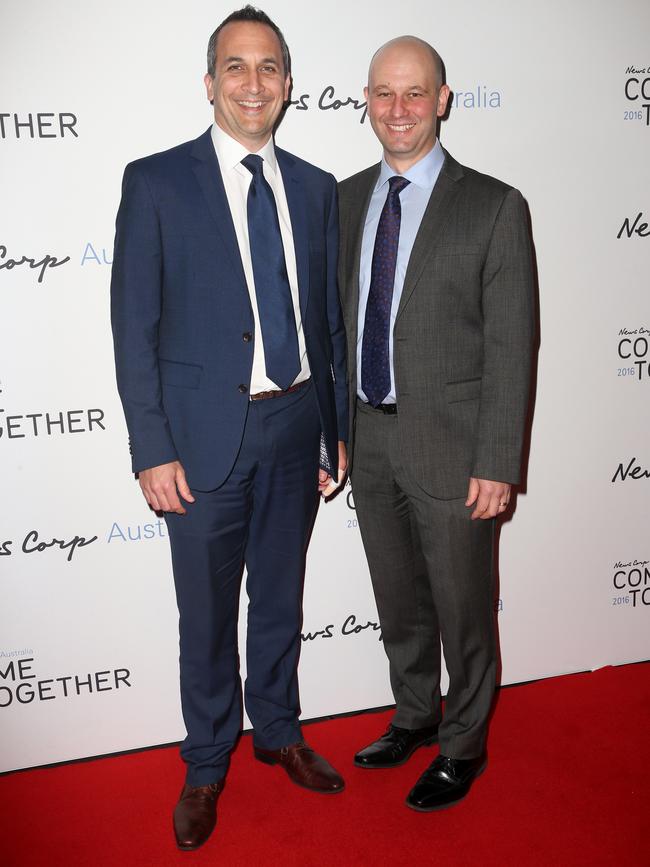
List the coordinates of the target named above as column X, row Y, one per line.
column 253, row 83
column 398, row 109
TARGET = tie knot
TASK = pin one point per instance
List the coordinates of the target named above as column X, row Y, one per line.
column 397, row 184
column 253, row 163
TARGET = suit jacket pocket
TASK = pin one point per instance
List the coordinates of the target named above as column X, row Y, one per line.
column 464, row 389
column 456, row 250
column 178, row 373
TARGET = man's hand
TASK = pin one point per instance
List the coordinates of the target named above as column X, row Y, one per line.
column 343, row 459
column 491, row 498
column 163, row 486
column 324, row 478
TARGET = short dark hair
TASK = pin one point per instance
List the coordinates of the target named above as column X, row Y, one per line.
column 256, row 16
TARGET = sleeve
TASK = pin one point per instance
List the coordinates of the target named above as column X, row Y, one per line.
column 136, row 299
column 507, row 296
column 335, row 317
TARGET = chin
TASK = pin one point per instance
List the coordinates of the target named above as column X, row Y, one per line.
column 398, row 148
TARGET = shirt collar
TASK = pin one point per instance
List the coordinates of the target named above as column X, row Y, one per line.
column 423, row 173
column 230, row 152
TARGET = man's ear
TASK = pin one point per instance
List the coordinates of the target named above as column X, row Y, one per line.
column 208, row 80
column 443, row 97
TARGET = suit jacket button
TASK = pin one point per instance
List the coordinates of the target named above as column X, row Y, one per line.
column 247, row 337
column 242, row 389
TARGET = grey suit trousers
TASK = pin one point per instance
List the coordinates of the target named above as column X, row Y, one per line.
column 432, row 574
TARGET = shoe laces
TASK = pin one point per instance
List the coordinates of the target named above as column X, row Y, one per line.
column 441, row 766
column 204, row 792
column 400, row 734
column 300, row 746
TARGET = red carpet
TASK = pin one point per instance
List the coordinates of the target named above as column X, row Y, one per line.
column 567, row 784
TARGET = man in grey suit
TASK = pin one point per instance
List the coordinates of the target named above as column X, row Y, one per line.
column 437, row 286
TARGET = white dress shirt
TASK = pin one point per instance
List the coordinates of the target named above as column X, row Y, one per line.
column 236, row 181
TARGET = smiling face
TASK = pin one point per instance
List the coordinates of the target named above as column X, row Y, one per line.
column 250, row 85
column 405, row 100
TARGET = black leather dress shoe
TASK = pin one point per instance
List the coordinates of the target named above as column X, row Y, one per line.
column 395, row 747
column 445, row 782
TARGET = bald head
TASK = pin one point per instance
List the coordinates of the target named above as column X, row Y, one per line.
column 406, row 98
column 413, row 48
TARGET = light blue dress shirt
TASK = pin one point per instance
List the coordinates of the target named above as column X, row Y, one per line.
column 414, row 199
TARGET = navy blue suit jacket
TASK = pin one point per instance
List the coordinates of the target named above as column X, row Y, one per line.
column 181, row 309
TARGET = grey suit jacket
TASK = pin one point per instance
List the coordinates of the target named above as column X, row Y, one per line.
column 464, row 328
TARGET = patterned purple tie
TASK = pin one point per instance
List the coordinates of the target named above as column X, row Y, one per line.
column 375, row 355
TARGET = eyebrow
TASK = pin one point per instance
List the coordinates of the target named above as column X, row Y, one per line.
column 410, row 87
column 234, row 59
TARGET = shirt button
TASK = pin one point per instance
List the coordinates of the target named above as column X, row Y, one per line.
column 247, row 337
column 242, row 389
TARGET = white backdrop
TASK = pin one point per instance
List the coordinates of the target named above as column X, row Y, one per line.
column 553, row 98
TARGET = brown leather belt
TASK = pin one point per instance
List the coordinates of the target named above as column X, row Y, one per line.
column 266, row 395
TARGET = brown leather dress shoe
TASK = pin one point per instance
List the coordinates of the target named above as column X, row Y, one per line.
column 195, row 815
column 304, row 767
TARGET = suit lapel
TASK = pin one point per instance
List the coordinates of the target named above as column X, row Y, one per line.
column 355, row 226
column 208, row 174
column 297, row 203
column 435, row 216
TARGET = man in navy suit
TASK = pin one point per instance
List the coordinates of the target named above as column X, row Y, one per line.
column 230, row 357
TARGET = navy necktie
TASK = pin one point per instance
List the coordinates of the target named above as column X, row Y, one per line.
column 277, row 318
column 375, row 355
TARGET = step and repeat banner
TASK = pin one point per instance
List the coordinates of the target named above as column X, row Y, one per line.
column 553, row 98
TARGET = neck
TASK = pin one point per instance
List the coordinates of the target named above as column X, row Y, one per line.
column 400, row 165
column 252, row 145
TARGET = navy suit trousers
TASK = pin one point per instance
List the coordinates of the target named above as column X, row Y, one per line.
column 260, row 517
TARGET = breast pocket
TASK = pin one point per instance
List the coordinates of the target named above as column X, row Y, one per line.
column 445, row 250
